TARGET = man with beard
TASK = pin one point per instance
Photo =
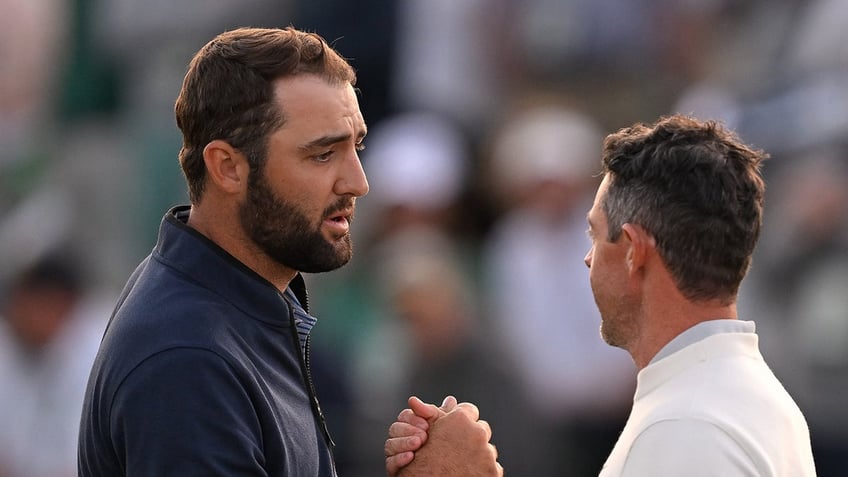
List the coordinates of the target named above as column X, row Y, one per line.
column 204, row 366
column 673, row 228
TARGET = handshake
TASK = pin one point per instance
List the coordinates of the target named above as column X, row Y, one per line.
column 448, row 441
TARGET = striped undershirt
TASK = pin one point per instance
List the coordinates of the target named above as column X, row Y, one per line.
column 304, row 323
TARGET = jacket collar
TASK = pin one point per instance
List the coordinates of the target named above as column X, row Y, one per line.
column 204, row 262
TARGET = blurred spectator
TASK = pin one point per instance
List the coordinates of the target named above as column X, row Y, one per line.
column 416, row 165
column 80, row 198
column 50, row 329
column 542, row 165
column 449, row 59
column 32, row 36
column 32, row 33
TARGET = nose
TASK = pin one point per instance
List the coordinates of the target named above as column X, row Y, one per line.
column 588, row 258
column 352, row 180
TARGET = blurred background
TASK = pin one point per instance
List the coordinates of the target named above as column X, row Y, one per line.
column 485, row 118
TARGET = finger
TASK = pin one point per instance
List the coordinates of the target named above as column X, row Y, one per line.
column 399, row 445
column 397, row 462
column 485, row 425
column 499, row 471
column 448, row 404
column 402, row 429
column 422, row 409
column 409, row 417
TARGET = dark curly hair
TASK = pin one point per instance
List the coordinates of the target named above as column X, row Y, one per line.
column 698, row 190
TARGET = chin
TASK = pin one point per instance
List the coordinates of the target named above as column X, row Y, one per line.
column 609, row 336
column 342, row 254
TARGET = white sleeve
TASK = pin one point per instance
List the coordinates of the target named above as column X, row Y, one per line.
column 689, row 447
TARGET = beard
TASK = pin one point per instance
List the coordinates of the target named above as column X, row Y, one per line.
column 285, row 233
column 617, row 314
column 611, row 333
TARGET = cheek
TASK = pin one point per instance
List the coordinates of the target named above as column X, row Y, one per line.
column 603, row 268
column 299, row 196
column 597, row 280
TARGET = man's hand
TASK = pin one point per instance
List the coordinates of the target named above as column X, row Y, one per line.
column 409, row 432
column 457, row 442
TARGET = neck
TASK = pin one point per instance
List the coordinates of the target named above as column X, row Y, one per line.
column 663, row 319
column 225, row 231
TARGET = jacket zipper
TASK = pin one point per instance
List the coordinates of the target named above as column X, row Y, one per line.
column 306, row 370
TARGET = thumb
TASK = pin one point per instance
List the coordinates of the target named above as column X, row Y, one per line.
column 421, row 409
column 448, row 404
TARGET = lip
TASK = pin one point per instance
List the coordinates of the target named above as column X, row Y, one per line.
column 339, row 222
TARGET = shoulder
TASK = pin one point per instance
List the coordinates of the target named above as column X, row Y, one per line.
column 161, row 331
column 691, row 447
column 170, row 372
column 181, row 406
column 729, row 409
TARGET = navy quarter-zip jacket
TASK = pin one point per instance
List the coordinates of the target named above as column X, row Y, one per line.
column 201, row 371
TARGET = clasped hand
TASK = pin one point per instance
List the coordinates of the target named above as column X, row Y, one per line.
column 448, row 441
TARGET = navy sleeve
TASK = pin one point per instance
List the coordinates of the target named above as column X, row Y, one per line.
column 185, row 412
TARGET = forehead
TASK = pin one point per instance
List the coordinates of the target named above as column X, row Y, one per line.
column 596, row 215
column 311, row 105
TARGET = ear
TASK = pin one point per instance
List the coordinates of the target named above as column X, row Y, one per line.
column 226, row 167
column 641, row 245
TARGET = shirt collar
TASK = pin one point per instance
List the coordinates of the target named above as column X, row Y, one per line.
column 703, row 330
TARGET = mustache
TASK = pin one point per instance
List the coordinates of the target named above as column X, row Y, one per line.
column 341, row 205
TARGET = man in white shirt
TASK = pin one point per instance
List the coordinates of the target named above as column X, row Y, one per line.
column 673, row 227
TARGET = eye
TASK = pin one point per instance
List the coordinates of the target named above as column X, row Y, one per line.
column 324, row 156
column 360, row 146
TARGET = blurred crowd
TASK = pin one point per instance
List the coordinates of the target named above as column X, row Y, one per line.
column 486, row 119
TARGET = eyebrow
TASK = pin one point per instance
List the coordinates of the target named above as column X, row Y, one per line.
column 325, row 141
